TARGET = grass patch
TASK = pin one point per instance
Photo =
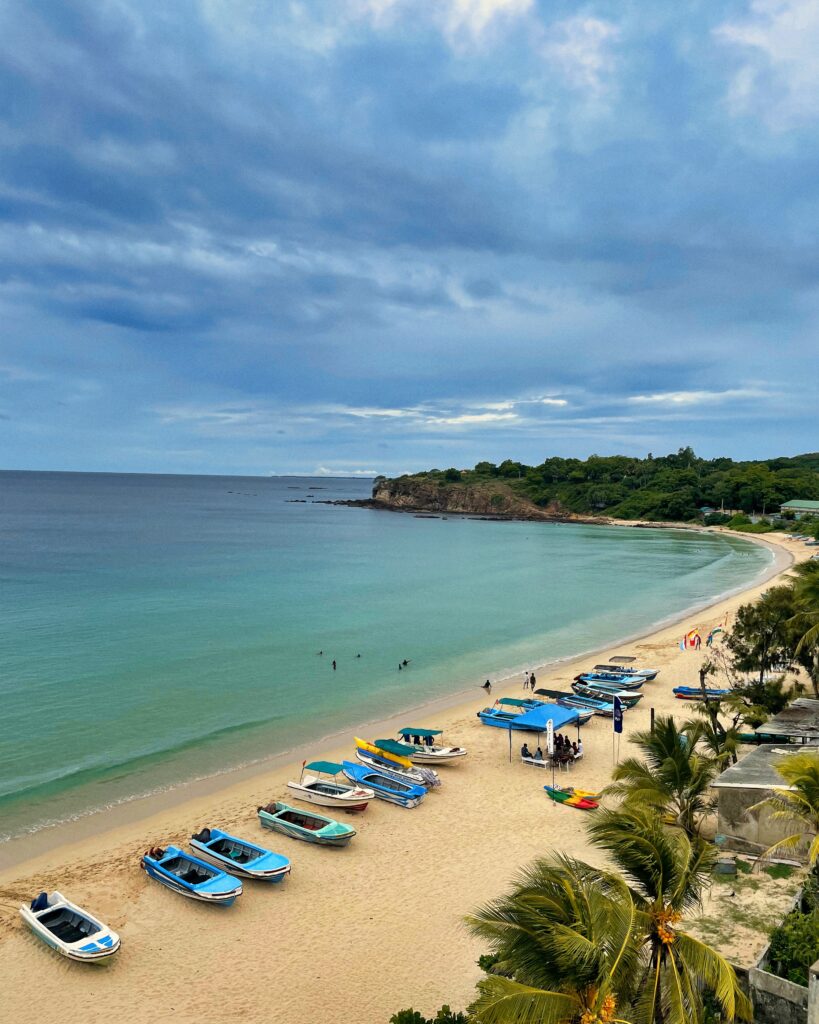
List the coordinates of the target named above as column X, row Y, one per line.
column 744, row 866
column 779, row 870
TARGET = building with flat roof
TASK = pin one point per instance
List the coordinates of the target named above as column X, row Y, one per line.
column 752, row 779
column 797, row 723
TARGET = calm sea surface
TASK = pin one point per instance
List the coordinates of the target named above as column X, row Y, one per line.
column 160, row 628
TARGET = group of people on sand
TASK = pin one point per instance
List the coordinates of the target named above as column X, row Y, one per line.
column 565, row 750
column 529, row 681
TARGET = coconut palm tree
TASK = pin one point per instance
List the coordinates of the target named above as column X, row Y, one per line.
column 798, row 805
column 674, row 778
column 806, row 595
column 666, row 871
column 565, row 941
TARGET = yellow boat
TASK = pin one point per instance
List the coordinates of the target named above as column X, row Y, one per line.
column 385, row 755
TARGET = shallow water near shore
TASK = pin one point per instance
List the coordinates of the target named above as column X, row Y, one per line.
column 163, row 628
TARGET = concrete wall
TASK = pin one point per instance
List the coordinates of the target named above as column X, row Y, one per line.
column 777, row 1001
column 751, row 832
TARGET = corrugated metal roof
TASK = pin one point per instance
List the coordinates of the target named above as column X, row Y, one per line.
column 757, row 769
column 797, row 503
column 800, row 719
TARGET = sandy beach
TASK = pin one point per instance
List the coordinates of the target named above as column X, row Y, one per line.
column 354, row 934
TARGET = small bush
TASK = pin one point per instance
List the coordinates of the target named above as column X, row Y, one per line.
column 795, row 946
column 444, row 1016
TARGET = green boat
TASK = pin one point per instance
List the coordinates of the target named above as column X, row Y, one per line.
column 305, row 825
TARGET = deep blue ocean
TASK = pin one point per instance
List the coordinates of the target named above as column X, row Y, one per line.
column 161, row 628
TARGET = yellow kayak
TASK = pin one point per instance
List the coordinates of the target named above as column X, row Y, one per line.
column 371, row 748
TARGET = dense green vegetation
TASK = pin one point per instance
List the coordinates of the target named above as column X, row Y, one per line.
column 668, row 487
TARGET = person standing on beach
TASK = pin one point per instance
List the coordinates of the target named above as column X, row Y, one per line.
column 532, row 682
column 526, row 681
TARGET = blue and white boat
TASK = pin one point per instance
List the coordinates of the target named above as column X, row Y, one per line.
column 696, row 693
column 385, row 787
column 239, row 856
column 607, row 691
column 305, row 825
column 645, row 673
column 622, row 680
column 186, row 874
column 506, row 711
column 70, row 930
column 420, row 775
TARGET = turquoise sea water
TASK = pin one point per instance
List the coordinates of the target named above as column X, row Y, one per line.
column 162, row 628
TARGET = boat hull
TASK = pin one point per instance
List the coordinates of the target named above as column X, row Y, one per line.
column 419, row 776
column 319, row 837
column 410, row 795
column 309, row 796
column 439, row 755
column 273, row 868
column 100, row 944
column 220, row 889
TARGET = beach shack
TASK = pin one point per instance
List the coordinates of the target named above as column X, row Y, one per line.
column 740, row 787
column 797, row 723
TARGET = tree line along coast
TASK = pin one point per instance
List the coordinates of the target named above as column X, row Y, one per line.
column 679, row 487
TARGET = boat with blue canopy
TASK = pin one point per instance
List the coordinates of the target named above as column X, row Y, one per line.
column 622, row 680
column 305, row 825
column 68, row 929
column 191, row 877
column 607, row 692
column 326, row 789
column 240, row 856
column 424, row 749
column 386, row 787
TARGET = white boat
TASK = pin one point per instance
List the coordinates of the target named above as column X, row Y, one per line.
column 69, row 929
column 324, row 789
column 403, row 772
column 423, row 749
column 627, row 663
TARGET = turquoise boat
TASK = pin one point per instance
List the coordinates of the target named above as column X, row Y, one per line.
column 305, row 825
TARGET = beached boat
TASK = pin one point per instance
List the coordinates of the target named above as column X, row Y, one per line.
column 406, row 771
column 386, row 787
column 627, row 662
column 194, row 878
column 621, row 680
column 305, row 825
column 69, row 929
column 604, row 691
column 506, row 711
column 329, row 791
column 571, row 798
column 423, row 748
column 240, row 856
column 646, row 673
column 696, row 693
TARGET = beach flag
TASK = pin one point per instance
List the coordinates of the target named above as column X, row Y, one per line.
column 550, row 737
column 617, row 717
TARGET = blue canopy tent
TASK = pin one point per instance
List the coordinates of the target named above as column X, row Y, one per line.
column 538, row 718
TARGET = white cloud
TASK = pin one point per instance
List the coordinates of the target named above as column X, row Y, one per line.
column 780, row 76
column 552, row 401
column 677, row 398
column 335, row 471
column 581, row 48
column 471, row 418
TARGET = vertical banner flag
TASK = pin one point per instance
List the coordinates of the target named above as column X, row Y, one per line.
column 550, row 737
column 617, row 718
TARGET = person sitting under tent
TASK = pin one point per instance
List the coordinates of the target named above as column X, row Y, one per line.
column 525, row 751
column 538, row 754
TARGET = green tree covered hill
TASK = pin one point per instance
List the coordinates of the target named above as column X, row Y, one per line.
column 668, row 487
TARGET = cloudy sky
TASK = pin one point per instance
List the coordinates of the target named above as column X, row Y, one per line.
column 380, row 235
